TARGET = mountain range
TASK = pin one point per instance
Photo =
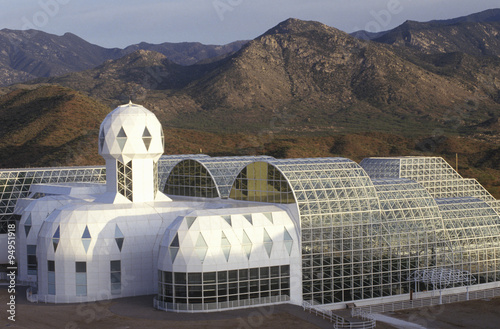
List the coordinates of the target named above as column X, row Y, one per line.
column 432, row 83
column 30, row 54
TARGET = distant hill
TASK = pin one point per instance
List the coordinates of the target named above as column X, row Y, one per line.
column 187, row 53
column 475, row 34
column 48, row 126
column 30, row 54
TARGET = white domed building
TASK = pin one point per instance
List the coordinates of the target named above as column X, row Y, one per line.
column 116, row 241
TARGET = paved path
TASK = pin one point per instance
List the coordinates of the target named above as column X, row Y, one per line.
column 400, row 324
column 142, row 307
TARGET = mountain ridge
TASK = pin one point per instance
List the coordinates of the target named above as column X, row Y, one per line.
column 31, row 54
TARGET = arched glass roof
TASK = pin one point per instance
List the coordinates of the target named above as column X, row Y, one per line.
column 414, row 224
column 473, row 228
column 339, row 213
column 434, row 173
column 205, row 176
column 168, row 162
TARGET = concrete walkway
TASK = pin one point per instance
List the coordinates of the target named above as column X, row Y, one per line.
column 400, row 324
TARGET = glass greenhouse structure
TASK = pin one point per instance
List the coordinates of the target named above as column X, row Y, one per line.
column 376, row 229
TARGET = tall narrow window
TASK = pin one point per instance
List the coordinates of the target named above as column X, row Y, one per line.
column 81, row 278
column 116, row 277
column 102, row 138
column 27, row 225
column 174, row 247
column 124, row 182
column 268, row 243
column 55, row 239
column 31, row 254
column 155, row 177
column 51, row 271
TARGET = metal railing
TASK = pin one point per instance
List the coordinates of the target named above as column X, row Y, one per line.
column 212, row 307
column 338, row 321
column 431, row 301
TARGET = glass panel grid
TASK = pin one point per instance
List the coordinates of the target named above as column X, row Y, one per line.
column 223, row 286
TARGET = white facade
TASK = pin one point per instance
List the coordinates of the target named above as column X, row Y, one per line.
column 87, row 242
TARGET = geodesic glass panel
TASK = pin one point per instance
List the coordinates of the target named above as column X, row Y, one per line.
column 190, row 220
column 201, row 247
column 121, row 138
column 86, row 239
column 102, row 138
column 248, row 218
column 287, row 238
column 146, row 138
column 55, row 238
column 119, row 238
column 268, row 243
column 246, row 244
column 27, row 225
column 225, row 246
column 174, row 247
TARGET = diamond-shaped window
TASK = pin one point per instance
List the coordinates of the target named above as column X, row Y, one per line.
column 269, row 216
column 249, row 218
column 27, row 225
column 228, row 219
column 287, row 238
column 121, row 138
column 246, row 244
column 119, row 238
column 55, row 239
column 86, row 238
column 102, row 138
column 190, row 221
column 146, row 138
column 174, row 247
column 268, row 243
column 225, row 245
column 201, row 247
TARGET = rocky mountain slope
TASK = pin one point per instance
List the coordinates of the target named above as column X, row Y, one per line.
column 25, row 55
column 476, row 34
column 311, row 77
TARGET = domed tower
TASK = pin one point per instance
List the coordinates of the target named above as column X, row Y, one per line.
column 131, row 141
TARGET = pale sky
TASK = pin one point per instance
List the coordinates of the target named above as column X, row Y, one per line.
column 119, row 23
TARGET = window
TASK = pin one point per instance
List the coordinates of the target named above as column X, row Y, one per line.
column 51, row 271
column 260, row 181
column 81, row 278
column 190, row 178
column 124, row 180
column 31, row 254
column 263, row 285
column 116, row 277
